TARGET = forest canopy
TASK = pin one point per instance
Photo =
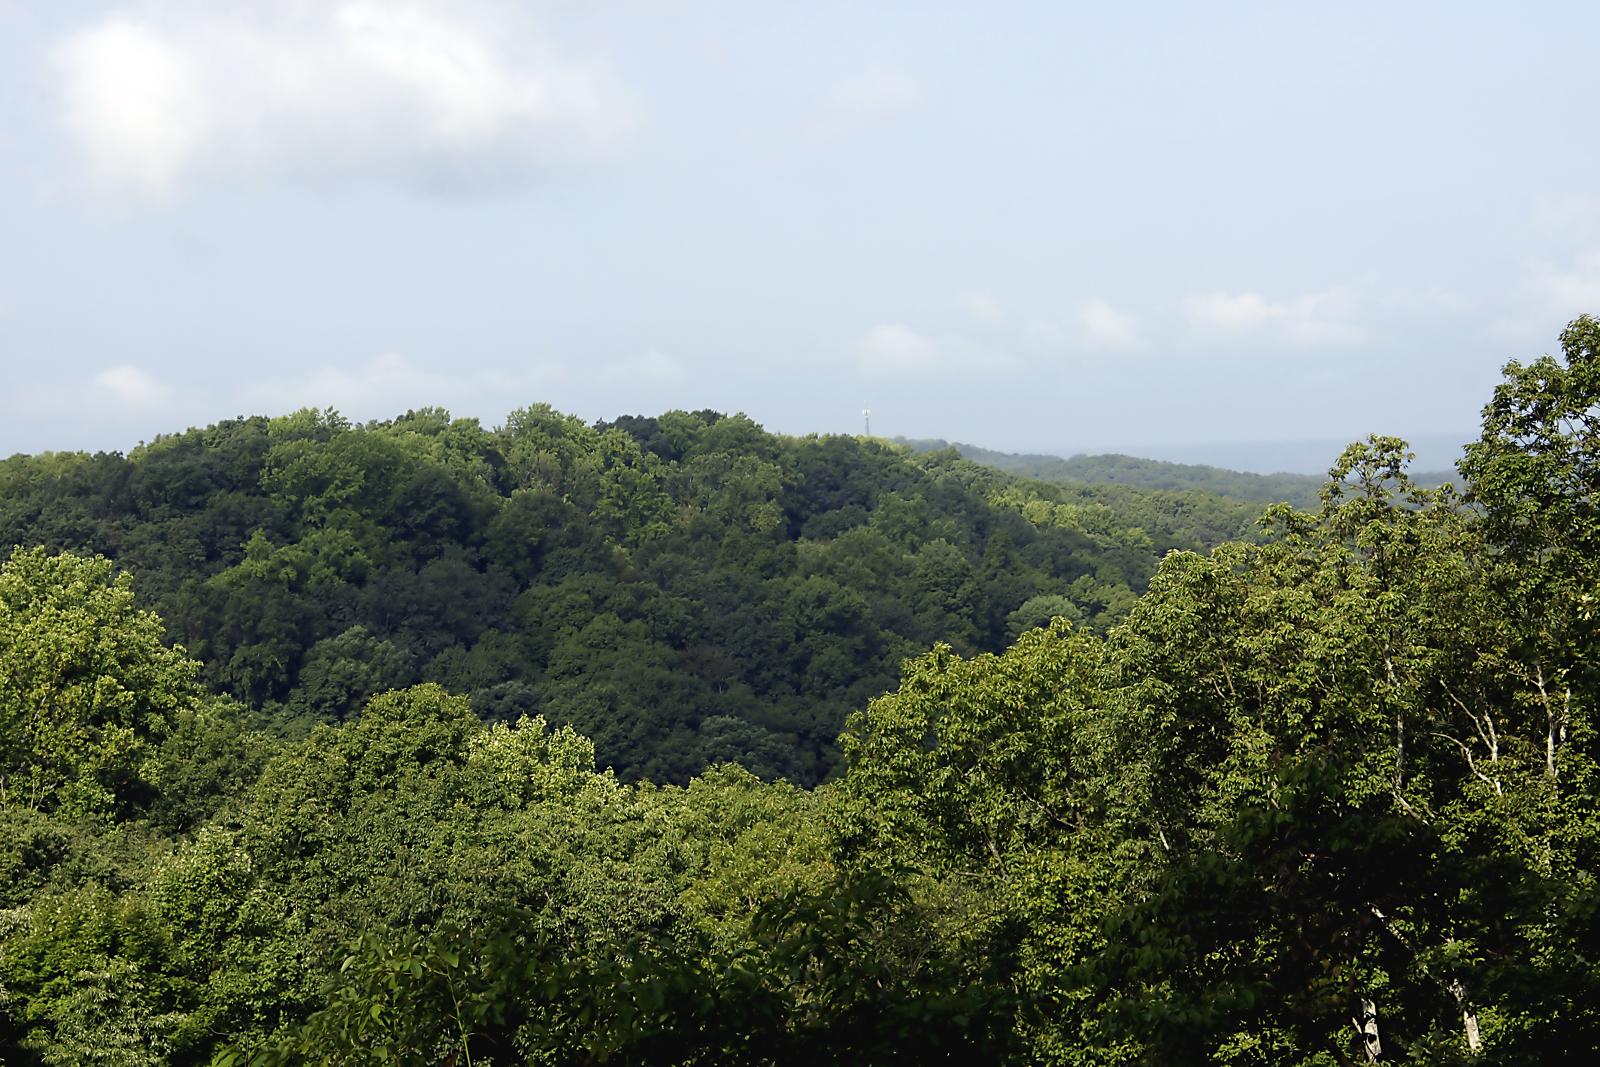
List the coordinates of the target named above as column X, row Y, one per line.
column 685, row 589
column 1326, row 794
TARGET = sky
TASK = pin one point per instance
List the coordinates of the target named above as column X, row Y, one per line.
column 1030, row 226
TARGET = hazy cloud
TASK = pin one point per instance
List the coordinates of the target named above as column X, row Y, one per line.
column 893, row 347
column 1576, row 215
column 875, row 93
column 1574, row 290
column 1232, row 312
column 869, row 98
column 981, row 306
column 1312, row 319
column 1044, row 336
column 390, row 384
column 653, row 368
column 134, row 404
column 895, row 350
column 132, row 386
column 1548, row 297
column 156, row 95
column 120, row 397
column 1428, row 300
column 1107, row 326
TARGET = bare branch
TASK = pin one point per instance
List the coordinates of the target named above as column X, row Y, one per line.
column 1466, row 750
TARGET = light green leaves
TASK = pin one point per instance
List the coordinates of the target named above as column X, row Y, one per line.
column 87, row 685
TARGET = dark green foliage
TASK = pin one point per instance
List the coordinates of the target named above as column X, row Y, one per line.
column 341, row 672
column 685, row 589
column 208, row 757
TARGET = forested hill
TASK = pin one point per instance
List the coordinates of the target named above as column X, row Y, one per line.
column 1329, row 796
column 1301, row 490
column 686, row 589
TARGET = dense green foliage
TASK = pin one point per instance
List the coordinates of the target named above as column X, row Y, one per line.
column 685, row 590
column 1327, row 796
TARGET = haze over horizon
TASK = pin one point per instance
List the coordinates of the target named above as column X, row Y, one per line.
column 1433, row 453
column 1026, row 227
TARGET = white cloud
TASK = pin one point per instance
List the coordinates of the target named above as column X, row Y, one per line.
column 1311, row 319
column 893, row 347
column 1107, row 326
column 160, row 94
column 135, row 104
column 131, row 386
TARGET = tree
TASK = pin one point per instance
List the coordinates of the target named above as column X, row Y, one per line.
column 1535, row 473
column 1332, row 740
column 88, row 685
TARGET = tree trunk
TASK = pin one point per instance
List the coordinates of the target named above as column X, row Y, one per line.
column 1366, row 1023
column 1469, row 1018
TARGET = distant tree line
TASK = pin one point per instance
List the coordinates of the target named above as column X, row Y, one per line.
column 1112, row 469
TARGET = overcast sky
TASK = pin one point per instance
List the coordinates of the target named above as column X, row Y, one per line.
column 1037, row 226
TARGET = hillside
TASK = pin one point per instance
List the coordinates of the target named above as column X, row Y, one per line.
column 685, row 590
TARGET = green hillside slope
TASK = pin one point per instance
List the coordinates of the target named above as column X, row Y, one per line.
column 685, row 589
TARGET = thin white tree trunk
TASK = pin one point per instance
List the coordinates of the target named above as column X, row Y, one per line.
column 1366, row 1023
column 1469, row 1018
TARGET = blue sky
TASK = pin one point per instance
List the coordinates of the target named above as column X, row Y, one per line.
column 1029, row 226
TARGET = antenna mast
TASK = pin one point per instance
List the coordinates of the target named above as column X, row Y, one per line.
column 866, row 422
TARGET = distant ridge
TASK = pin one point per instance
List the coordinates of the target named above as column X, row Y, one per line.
column 1301, row 490
column 1435, row 451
